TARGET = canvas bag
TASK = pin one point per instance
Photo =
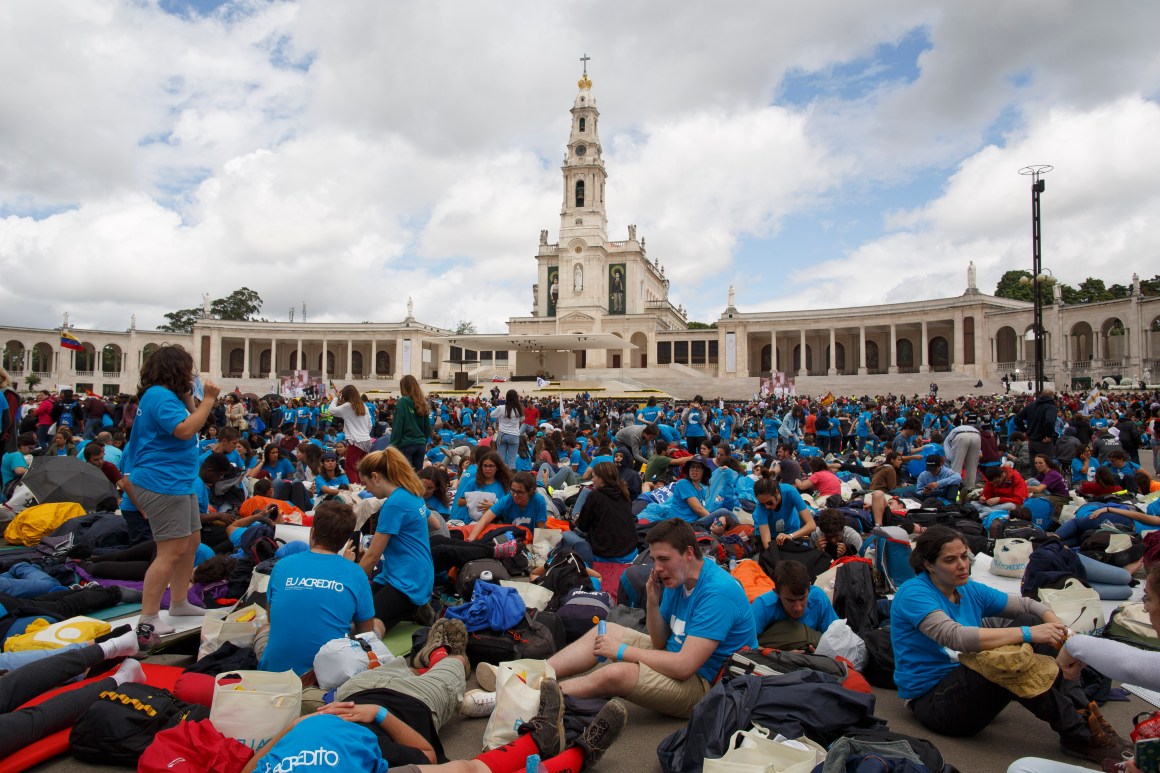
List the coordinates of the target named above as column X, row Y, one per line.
column 1010, row 557
column 236, row 627
column 543, row 540
column 258, row 707
column 535, row 596
column 753, row 751
column 517, row 699
column 1077, row 605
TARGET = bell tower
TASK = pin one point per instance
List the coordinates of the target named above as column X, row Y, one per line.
column 583, row 214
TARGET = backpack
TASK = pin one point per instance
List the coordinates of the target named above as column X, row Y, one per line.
column 879, row 668
column 564, row 571
column 123, row 721
column 258, row 542
column 537, row 637
column 737, row 543
column 1130, row 624
column 710, row 547
column 891, row 550
column 1118, row 548
column 579, row 610
column 1016, row 528
column 67, row 417
column 472, row 570
column 974, row 535
column 816, row 561
column 1049, row 563
column 631, row 590
column 854, row 597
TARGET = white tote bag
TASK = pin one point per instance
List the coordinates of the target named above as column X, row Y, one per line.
column 258, row 707
column 753, row 751
column 517, row 699
column 1010, row 557
column 534, row 596
column 1077, row 605
column 340, row 659
column 237, row 627
column 543, row 540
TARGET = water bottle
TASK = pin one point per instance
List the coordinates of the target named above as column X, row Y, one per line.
column 732, row 563
column 534, row 765
column 486, row 575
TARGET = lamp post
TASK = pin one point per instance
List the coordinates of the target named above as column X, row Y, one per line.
column 1036, row 172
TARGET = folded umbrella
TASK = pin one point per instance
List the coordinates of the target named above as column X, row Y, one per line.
column 68, row 479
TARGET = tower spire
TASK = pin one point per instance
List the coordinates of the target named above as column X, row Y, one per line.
column 583, row 211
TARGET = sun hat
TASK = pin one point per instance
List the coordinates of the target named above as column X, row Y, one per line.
column 1015, row 667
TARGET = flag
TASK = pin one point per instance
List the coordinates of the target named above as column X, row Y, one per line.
column 69, row 341
column 1091, row 402
column 828, row 400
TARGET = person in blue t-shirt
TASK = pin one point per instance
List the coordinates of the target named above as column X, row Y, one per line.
column 523, row 506
column 271, row 463
column 781, row 513
column 697, row 616
column 796, row 600
column 316, row 595
column 649, row 413
column 15, row 463
column 331, row 479
column 161, row 460
column 939, row 614
column 694, row 419
column 407, row 575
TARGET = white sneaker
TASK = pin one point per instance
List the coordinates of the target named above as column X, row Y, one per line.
column 478, row 703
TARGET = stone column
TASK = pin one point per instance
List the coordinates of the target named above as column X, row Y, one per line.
column 922, row 352
column 350, row 360
column 298, row 366
column 862, row 370
column 273, row 358
column 893, row 368
column 957, row 339
column 324, row 364
column 371, row 371
column 246, row 358
column 832, row 360
column 803, row 369
column 215, row 355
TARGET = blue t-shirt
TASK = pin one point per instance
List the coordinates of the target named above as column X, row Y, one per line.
column 8, row 466
column 717, row 609
column 532, row 515
column 669, row 433
column 407, row 566
column 679, row 505
column 578, row 462
column 648, row 414
column 468, row 484
column 920, row 662
column 325, row 743
column 280, row 470
column 313, row 598
column 695, row 421
column 340, row 480
column 155, row 459
column 767, row 609
column 785, row 518
column 435, row 505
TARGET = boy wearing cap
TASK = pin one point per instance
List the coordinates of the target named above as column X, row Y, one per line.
column 938, row 480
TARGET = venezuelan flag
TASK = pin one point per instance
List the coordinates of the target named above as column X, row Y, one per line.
column 69, row 341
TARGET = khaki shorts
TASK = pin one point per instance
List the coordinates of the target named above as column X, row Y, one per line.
column 169, row 516
column 663, row 693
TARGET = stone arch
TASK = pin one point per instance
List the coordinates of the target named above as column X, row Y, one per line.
column 1006, row 344
column 264, row 362
column 1153, row 338
column 237, row 361
column 13, row 360
column 640, row 355
column 905, row 353
column 1114, row 335
column 86, row 360
column 356, row 362
column 872, row 356
column 329, row 361
column 766, row 362
column 939, row 352
column 797, row 358
column 839, row 356
column 1082, row 346
column 382, row 363
column 112, row 359
column 147, row 352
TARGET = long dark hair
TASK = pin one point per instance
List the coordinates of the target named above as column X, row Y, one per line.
column 503, row 474
column 610, row 477
column 170, row 367
column 929, row 544
column 511, row 402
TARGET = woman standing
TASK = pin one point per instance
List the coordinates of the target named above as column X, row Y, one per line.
column 348, row 406
column 411, row 427
column 162, row 461
column 236, row 413
column 508, row 417
column 406, row 578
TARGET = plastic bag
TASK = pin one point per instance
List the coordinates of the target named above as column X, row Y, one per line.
column 840, row 640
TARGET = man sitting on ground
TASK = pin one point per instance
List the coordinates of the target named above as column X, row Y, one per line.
column 316, row 596
column 794, row 616
column 697, row 615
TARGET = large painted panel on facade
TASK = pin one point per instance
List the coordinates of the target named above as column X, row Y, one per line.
column 553, row 289
column 616, row 293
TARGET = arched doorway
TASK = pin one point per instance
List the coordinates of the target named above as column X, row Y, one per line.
column 329, row 361
column 1115, row 339
column 839, row 357
column 797, row 358
column 264, row 362
column 147, row 352
column 872, row 357
column 766, row 362
column 111, row 357
column 1082, row 343
column 356, row 363
column 382, row 363
column 237, row 361
column 640, row 355
column 85, row 361
column 905, row 354
column 13, row 360
column 940, row 353
column 1006, row 345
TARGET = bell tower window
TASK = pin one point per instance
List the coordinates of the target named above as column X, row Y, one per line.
column 582, row 124
column 579, row 193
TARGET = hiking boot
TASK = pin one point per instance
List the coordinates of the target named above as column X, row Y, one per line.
column 477, row 703
column 485, row 675
column 147, row 638
column 604, row 729
column 547, row 727
column 425, row 615
column 448, row 633
column 1104, row 743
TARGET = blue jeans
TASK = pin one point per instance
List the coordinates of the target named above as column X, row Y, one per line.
column 414, row 454
column 508, row 447
column 1111, row 582
column 25, row 581
column 579, row 545
column 561, row 477
column 1072, row 532
column 10, row 661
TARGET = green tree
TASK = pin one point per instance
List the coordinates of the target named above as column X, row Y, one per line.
column 702, row 326
column 1120, row 291
column 1010, row 287
column 239, row 306
column 465, row 327
column 1092, row 290
column 1150, row 286
column 31, row 381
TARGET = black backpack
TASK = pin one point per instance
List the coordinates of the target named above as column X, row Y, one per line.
column 472, row 570
column 974, row 535
column 631, row 591
column 816, row 561
column 538, row 636
column 1095, row 545
column 579, row 610
column 564, row 571
column 879, row 668
column 258, row 542
column 123, row 721
column 854, row 597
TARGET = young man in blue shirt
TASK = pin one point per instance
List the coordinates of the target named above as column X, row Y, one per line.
column 697, row 615
column 778, row 613
column 938, row 480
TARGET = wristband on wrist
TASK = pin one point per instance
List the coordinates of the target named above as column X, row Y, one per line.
column 620, row 652
column 1026, row 634
column 381, row 716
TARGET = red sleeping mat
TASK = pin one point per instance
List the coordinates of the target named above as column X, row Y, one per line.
column 57, row 743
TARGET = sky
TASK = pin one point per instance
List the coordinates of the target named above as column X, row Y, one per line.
column 352, row 155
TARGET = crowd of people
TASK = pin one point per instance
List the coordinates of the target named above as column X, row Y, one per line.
column 402, row 493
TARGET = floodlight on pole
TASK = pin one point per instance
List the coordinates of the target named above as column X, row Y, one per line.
column 1038, row 185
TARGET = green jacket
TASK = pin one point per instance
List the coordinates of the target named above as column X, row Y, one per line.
column 408, row 428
